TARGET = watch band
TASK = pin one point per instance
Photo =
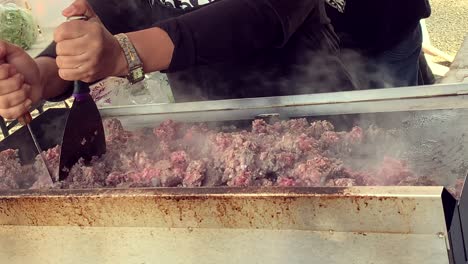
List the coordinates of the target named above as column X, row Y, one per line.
column 135, row 66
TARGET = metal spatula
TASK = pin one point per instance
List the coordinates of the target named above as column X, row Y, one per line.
column 26, row 120
column 83, row 136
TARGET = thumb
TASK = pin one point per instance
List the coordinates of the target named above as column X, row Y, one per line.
column 79, row 8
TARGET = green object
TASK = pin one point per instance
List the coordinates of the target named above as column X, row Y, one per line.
column 17, row 26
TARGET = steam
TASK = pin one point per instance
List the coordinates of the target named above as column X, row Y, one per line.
column 366, row 73
column 386, row 134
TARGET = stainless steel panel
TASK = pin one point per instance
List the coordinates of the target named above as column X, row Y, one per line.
column 253, row 225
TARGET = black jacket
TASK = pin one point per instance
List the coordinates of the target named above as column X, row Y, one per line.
column 239, row 48
column 376, row 25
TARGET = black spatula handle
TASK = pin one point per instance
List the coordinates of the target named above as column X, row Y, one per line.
column 80, row 90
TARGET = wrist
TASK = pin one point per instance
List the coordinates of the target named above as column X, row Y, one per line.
column 134, row 69
column 48, row 84
column 121, row 64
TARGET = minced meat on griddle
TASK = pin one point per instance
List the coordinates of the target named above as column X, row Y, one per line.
column 285, row 153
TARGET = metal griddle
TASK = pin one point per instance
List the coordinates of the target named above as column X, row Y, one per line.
column 226, row 225
column 264, row 225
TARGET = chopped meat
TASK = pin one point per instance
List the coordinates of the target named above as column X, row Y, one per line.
column 114, row 131
column 259, row 126
column 355, row 136
column 459, row 187
column 52, row 159
column 363, row 178
column 456, row 190
column 343, row 182
column 318, row 128
column 393, row 171
column 284, row 153
column 88, row 176
column 10, row 168
column 286, row 182
column 167, row 130
column 329, row 138
column 195, row 173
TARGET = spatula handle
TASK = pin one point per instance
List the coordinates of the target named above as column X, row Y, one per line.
column 80, row 90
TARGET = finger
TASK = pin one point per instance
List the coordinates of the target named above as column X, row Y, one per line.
column 71, row 62
column 79, row 8
column 15, row 98
column 7, row 70
column 71, row 30
column 13, row 70
column 16, row 111
column 4, row 71
column 11, row 84
column 73, row 74
column 72, row 47
column 7, row 49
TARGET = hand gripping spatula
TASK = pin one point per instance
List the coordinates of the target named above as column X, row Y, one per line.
column 83, row 136
column 25, row 120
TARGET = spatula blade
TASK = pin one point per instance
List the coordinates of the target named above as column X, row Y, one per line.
column 83, row 136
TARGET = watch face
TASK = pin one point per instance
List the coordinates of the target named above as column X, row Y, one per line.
column 136, row 75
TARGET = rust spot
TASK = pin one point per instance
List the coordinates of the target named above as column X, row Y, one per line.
column 221, row 210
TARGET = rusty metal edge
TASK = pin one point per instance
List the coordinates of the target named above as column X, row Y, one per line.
column 390, row 191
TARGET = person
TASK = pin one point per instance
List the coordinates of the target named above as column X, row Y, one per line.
column 388, row 35
column 209, row 49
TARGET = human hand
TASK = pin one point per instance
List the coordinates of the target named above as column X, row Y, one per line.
column 20, row 84
column 86, row 50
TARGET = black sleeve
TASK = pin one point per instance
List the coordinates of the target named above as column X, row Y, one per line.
column 230, row 29
column 372, row 25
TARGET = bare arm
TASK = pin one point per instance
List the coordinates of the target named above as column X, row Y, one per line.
column 154, row 57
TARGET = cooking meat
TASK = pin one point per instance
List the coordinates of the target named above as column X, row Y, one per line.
column 285, row 153
column 10, row 168
column 52, row 158
column 343, row 182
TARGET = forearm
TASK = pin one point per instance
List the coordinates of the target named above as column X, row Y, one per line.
column 156, row 54
column 52, row 84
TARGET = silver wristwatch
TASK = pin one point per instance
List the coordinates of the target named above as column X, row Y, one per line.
column 135, row 66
